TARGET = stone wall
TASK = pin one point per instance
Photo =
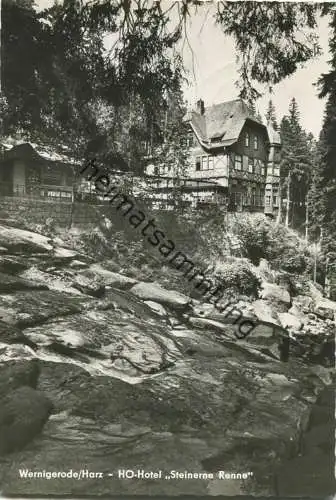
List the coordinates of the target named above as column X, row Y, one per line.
column 37, row 211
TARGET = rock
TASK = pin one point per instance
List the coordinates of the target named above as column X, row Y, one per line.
column 26, row 309
column 264, row 270
column 10, row 334
column 295, row 311
column 315, row 291
column 217, row 326
column 23, row 413
column 264, row 311
column 10, row 283
column 14, row 374
column 88, row 286
column 277, row 296
column 287, row 320
column 13, row 264
column 109, row 278
column 325, row 309
column 19, row 240
column 170, row 298
column 304, row 303
column 157, row 308
column 78, row 264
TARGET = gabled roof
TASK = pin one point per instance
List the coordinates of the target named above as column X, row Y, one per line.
column 221, row 124
column 21, row 148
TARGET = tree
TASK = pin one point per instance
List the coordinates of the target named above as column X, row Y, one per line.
column 270, row 116
column 325, row 176
column 66, row 67
column 296, row 165
column 269, row 40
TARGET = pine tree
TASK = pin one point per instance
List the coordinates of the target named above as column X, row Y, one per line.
column 270, row 116
column 295, row 166
column 325, row 175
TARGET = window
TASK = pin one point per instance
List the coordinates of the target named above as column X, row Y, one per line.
column 210, row 162
column 247, row 140
column 268, row 200
column 156, row 170
column 251, row 165
column 238, row 162
column 263, row 169
column 190, row 139
column 255, row 142
column 276, row 170
column 204, row 163
column 198, row 163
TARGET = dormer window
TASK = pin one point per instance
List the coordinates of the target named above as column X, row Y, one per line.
column 256, row 142
column 198, row 163
column 247, row 140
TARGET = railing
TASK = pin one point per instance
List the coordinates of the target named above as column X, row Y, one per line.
column 46, row 191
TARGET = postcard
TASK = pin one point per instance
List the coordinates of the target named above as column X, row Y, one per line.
column 167, row 249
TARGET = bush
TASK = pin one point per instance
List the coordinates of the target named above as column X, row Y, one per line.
column 263, row 239
column 254, row 234
column 237, row 278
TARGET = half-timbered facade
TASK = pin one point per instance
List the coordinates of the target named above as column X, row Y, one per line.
column 235, row 154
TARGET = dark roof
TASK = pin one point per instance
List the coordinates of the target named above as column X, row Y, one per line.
column 22, row 149
column 221, row 124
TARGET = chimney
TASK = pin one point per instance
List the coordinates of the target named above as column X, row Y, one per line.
column 200, row 106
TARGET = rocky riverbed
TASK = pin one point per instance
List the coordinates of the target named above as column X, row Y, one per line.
column 102, row 372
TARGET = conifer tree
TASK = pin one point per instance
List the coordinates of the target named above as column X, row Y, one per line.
column 270, row 116
column 295, row 166
column 325, row 176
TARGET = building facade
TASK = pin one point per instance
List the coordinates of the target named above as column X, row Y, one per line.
column 29, row 170
column 233, row 159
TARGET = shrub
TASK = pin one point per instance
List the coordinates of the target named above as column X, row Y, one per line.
column 237, row 278
column 254, row 235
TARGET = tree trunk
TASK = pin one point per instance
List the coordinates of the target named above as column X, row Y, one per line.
column 307, row 219
column 279, row 216
column 288, row 199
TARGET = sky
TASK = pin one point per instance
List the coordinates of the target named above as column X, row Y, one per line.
column 214, row 67
column 209, row 58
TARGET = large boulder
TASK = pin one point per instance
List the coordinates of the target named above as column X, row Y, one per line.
column 304, row 303
column 23, row 413
column 156, row 293
column 109, row 278
column 289, row 321
column 264, row 311
column 10, row 283
column 325, row 309
column 157, row 308
column 14, row 374
column 276, row 295
column 19, row 241
column 88, row 286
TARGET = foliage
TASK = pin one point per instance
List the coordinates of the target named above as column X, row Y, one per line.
column 270, row 116
column 237, row 277
column 296, row 164
column 58, row 73
column 324, row 194
column 269, row 40
column 261, row 238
